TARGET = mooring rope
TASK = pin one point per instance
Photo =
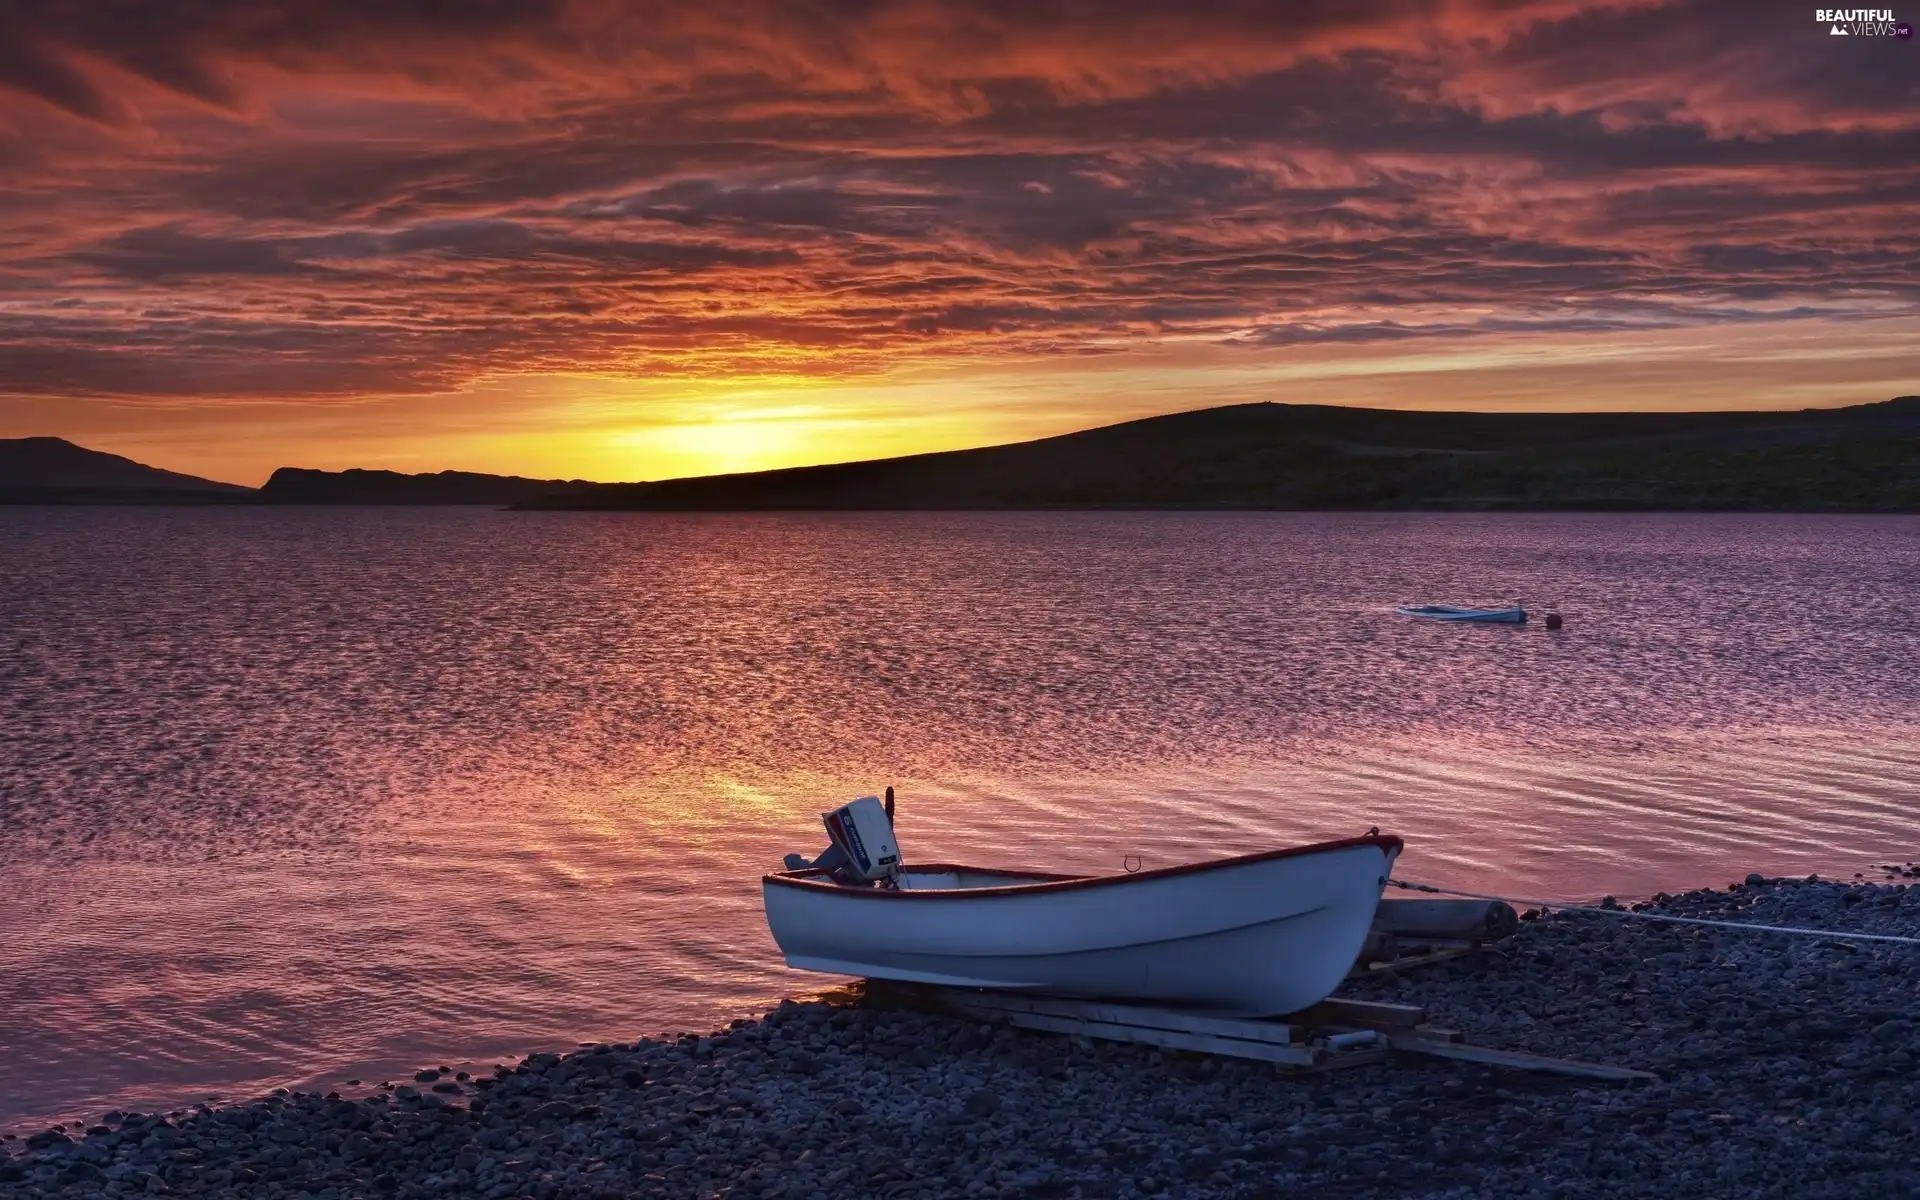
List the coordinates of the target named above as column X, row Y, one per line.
column 1543, row 905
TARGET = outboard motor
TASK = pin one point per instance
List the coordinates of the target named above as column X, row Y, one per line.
column 863, row 850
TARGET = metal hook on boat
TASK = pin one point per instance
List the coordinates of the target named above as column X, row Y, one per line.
column 1132, row 863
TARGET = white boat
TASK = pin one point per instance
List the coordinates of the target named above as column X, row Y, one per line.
column 1451, row 612
column 1256, row 935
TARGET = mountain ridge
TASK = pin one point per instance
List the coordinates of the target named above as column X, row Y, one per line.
column 55, row 462
column 1276, row 456
column 1863, row 457
column 358, row 485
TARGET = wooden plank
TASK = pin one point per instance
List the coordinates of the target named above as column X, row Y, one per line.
column 1172, row 1039
column 1276, row 1032
column 1366, row 1012
column 1415, row 1044
column 1403, row 1027
column 1408, row 962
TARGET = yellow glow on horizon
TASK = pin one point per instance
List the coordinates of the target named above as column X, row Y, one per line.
column 744, row 441
column 721, row 428
column 611, row 429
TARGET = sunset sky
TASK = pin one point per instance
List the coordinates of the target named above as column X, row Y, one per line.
column 637, row 240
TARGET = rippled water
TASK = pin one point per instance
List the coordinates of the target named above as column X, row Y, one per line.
column 292, row 796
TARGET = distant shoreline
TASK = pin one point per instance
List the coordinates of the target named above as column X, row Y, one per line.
column 1860, row 459
column 66, row 498
column 1321, row 458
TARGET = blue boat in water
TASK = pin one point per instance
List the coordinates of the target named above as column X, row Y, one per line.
column 1449, row 612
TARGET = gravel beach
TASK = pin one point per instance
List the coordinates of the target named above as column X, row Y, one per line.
column 1788, row 1067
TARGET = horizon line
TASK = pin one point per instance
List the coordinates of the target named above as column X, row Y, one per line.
column 1435, row 412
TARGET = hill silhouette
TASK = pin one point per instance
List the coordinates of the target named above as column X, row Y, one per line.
column 298, row 485
column 57, row 462
column 52, row 470
column 1863, row 458
column 1281, row 456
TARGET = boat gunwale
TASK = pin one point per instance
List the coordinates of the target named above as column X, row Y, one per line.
column 811, row 878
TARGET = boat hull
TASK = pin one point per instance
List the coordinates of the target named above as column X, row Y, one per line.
column 1444, row 612
column 1258, row 935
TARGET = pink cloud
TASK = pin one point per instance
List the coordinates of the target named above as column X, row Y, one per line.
column 331, row 199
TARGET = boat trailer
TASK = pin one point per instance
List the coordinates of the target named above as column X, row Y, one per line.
column 1333, row 1034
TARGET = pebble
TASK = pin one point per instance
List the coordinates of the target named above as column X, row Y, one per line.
column 1786, row 1068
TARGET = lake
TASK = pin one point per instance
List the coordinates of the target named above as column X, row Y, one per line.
column 294, row 796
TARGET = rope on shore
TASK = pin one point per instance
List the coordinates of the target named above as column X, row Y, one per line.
column 1544, row 905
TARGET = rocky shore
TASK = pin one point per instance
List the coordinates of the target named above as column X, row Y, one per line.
column 1787, row 1068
